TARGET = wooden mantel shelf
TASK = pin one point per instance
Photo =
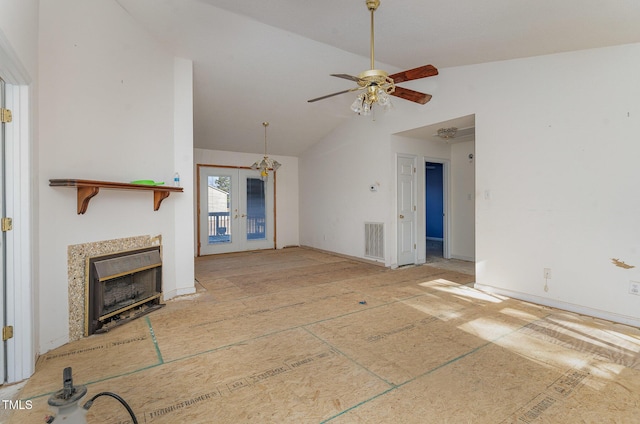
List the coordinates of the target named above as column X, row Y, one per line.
column 89, row 188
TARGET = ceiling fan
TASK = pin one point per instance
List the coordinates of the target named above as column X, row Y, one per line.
column 377, row 85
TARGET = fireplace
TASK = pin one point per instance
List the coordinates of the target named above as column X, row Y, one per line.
column 120, row 287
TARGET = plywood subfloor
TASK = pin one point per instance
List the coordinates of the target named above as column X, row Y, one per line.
column 301, row 336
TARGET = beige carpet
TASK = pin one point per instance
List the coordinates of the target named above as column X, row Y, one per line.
column 300, row 336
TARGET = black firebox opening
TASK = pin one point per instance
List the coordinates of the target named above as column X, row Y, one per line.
column 122, row 286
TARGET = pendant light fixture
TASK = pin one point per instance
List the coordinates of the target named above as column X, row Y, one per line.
column 266, row 163
column 447, row 133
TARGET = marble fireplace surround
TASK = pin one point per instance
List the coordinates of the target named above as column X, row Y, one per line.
column 77, row 256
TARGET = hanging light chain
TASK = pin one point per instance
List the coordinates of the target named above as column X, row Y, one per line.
column 265, row 124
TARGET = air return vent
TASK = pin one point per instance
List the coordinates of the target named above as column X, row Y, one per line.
column 374, row 240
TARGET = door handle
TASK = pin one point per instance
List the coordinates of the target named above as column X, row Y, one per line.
column 242, row 216
column 401, row 216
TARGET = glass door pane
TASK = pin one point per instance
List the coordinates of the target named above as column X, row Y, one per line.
column 256, row 209
column 219, row 209
column 218, row 222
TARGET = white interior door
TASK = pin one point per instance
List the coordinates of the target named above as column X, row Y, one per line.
column 3, row 239
column 16, row 297
column 406, row 214
column 236, row 210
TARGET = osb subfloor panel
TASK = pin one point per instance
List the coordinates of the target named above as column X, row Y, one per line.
column 300, row 336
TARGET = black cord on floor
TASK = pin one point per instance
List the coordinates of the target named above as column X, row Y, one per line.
column 116, row 397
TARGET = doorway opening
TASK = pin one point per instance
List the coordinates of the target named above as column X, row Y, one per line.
column 445, row 193
column 434, row 210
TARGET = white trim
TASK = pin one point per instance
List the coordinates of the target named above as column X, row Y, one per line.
column 583, row 310
column 463, row 258
column 21, row 354
column 178, row 292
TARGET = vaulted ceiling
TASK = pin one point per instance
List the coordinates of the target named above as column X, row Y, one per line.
column 257, row 60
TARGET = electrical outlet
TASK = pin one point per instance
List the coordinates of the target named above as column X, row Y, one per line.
column 547, row 273
column 634, row 288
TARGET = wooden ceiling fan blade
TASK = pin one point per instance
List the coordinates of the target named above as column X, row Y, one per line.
column 332, row 94
column 346, row 76
column 415, row 73
column 411, row 95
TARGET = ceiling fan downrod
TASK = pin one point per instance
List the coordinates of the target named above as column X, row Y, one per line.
column 375, row 81
column 372, row 5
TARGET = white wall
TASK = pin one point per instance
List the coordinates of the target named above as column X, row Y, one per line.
column 335, row 175
column 184, row 271
column 107, row 113
column 287, row 198
column 462, row 238
column 19, row 29
column 555, row 155
column 344, row 166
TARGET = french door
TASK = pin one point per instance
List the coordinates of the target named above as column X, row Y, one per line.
column 236, row 210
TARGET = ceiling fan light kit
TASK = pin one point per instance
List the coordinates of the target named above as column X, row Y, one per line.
column 378, row 85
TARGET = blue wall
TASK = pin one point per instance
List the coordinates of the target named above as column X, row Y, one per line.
column 434, row 200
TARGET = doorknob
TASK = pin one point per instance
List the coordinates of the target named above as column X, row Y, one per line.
column 243, row 215
column 401, row 216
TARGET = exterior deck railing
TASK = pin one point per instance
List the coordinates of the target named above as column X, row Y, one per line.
column 220, row 225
